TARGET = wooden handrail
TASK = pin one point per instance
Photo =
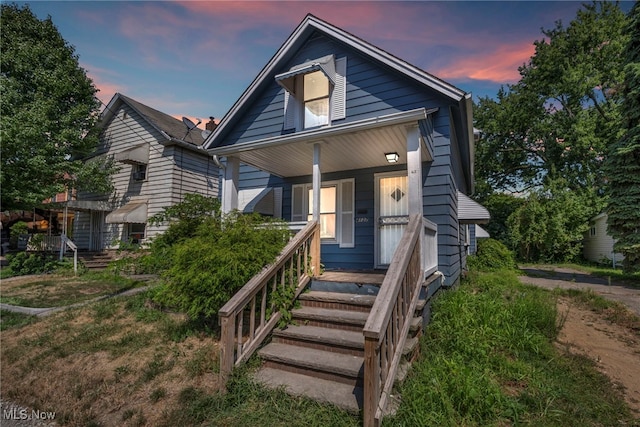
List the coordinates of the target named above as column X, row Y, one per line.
column 387, row 326
column 293, row 269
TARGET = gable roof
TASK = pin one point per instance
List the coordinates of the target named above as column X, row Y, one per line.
column 295, row 41
column 173, row 130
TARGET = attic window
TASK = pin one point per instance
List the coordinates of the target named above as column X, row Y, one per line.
column 316, row 99
column 315, row 93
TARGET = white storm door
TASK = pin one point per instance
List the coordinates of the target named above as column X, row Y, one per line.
column 392, row 212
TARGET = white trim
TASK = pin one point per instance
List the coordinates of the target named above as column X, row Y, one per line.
column 326, row 132
column 376, row 212
column 301, row 204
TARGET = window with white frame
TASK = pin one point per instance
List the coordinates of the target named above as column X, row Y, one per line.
column 316, row 99
column 336, row 210
column 315, row 93
column 136, row 233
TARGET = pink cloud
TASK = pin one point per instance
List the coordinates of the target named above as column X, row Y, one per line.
column 499, row 65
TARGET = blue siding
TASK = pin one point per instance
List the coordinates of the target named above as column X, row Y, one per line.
column 372, row 90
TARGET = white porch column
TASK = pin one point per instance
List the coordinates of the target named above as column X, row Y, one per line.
column 230, row 185
column 317, row 182
column 414, row 170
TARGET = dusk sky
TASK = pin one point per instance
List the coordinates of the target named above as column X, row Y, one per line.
column 195, row 58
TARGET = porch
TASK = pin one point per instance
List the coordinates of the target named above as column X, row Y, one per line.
column 355, row 333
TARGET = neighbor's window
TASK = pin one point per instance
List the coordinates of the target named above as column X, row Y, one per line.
column 316, row 99
column 139, row 172
column 136, row 233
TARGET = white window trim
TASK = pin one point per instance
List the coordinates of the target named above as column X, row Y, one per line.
column 294, row 102
column 341, row 214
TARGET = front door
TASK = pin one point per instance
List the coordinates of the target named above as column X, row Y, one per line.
column 96, row 235
column 392, row 214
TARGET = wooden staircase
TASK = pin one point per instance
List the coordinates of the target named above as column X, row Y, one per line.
column 321, row 354
column 96, row 260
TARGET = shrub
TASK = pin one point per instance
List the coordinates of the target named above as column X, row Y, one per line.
column 15, row 231
column 224, row 254
column 24, row 263
column 491, row 255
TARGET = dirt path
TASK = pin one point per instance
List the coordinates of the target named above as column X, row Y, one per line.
column 614, row 348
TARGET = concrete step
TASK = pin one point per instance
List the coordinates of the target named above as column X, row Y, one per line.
column 334, row 340
column 329, row 318
column 337, row 301
column 343, row 396
column 342, row 368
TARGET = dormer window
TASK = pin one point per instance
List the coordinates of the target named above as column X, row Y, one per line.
column 315, row 93
column 316, row 99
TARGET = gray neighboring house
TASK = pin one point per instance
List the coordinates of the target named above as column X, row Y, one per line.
column 160, row 161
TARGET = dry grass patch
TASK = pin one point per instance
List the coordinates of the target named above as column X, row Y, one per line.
column 114, row 363
column 56, row 290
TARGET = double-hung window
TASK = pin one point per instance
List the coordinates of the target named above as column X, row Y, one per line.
column 314, row 93
column 316, row 99
column 337, row 215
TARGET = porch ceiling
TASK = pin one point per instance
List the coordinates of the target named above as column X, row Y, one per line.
column 353, row 147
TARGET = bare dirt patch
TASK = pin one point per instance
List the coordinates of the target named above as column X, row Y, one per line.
column 613, row 345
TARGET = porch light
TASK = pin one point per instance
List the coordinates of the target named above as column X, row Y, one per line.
column 392, row 157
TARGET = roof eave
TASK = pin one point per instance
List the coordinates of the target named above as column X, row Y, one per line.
column 311, row 23
column 320, row 134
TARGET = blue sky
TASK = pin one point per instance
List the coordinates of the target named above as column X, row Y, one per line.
column 195, row 58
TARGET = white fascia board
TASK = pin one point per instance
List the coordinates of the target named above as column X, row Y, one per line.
column 327, row 132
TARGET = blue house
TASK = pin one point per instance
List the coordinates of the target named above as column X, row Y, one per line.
column 341, row 130
column 342, row 135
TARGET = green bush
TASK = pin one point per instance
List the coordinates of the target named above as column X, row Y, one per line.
column 24, row 263
column 491, row 255
column 15, row 231
column 223, row 255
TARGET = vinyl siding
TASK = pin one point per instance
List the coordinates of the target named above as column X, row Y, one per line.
column 372, row 90
column 599, row 248
column 172, row 172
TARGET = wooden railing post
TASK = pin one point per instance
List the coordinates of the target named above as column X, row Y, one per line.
column 315, row 253
column 227, row 326
column 372, row 381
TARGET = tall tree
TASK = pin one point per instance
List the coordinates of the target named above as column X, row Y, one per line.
column 557, row 121
column 622, row 165
column 48, row 110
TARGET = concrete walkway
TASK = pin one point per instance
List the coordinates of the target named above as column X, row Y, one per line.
column 46, row 311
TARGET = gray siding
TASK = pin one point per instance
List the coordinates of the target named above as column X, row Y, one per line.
column 172, row 172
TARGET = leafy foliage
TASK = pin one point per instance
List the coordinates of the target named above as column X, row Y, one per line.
column 622, row 165
column 549, row 226
column 222, row 256
column 23, row 263
column 559, row 118
column 47, row 113
column 491, row 255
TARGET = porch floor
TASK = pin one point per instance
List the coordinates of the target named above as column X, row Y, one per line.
column 361, row 277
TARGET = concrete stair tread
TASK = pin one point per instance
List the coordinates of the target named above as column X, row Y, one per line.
column 344, row 396
column 340, row 337
column 317, row 360
column 327, row 314
column 337, row 297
